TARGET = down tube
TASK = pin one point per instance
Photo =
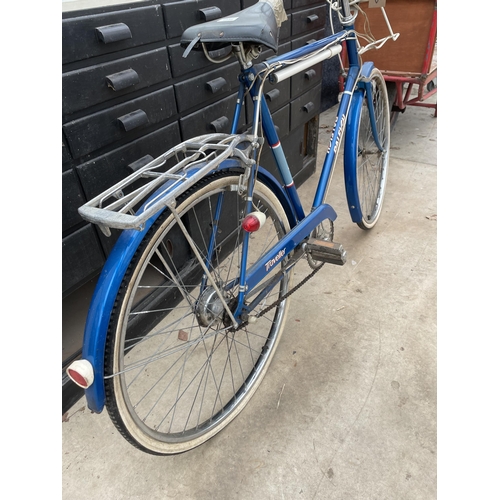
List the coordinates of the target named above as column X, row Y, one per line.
column 336, row 138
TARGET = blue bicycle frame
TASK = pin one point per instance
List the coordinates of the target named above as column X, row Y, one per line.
column 302, row 226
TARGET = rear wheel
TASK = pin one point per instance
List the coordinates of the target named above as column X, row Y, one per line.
column 372, row 156
column 176, row 370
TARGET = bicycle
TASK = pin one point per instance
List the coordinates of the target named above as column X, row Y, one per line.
column 191, row 303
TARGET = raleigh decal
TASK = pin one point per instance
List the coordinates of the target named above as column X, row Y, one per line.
column 270, row 263
column 339, row 135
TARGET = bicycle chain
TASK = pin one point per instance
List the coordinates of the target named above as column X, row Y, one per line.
column 280, row 300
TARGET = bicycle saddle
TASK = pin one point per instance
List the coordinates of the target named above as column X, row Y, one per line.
column 256, row 24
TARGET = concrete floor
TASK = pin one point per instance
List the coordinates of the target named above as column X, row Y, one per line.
column 348, row 408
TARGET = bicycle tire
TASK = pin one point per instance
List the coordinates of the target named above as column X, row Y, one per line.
column 172, row 381
column 371, row 163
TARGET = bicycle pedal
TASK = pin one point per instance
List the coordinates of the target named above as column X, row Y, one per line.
column 326, row 251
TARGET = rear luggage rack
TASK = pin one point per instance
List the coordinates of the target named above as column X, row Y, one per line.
column 195, row 158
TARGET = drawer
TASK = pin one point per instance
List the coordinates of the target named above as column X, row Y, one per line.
column 89, row 36
column 119, row 122
column 82, row 258
column 305, row 107
column 276, row 95
column 181, row 15
column 196, row 60
column 308, row 20
column 199, row 89
column 72, row 198
column 214, row 118
column 102, row 172
column 89, row 86
column 303, row 81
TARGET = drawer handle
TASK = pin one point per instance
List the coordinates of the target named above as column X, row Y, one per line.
column 122, row 80
column 309, row 75
column 272, row 94
column 113, row 33
column 210, row 13
column 137, row 164
column 216, row 84
column 308, row 107
column 137, row 118
column 312, row 18
column 220, row 124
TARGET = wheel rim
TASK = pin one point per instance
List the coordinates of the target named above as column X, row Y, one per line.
column 179, row 384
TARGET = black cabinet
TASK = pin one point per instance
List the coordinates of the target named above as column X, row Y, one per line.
column 128, row 95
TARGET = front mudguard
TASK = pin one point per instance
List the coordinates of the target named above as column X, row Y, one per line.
column 107, row 287
column 351, row 144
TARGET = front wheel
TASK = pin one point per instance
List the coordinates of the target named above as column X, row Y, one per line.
column 176, row 370
column 367, row 151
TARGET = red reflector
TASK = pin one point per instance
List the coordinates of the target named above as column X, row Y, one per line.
column 250, row 223
column 77, row 378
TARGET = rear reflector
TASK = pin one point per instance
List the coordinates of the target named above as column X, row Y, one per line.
column 81, row 373
column 253, row 222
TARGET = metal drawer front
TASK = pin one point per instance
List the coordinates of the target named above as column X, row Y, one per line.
column 214, row 118
column 89, row 86
column 113, row 124
column 308, row 20
column 305, row 107
column 277, row 95
column 199, row 89
column 181, row 15
column 89, row 36
column 301, row 82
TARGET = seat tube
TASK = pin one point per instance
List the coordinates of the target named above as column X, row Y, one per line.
column 237, row 109
column 276, row 148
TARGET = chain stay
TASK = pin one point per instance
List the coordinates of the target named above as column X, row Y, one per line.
column 280, row 300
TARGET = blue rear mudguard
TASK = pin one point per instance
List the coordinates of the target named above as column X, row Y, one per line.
column 106, row 290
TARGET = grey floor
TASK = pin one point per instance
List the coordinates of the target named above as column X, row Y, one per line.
column 348, row 408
